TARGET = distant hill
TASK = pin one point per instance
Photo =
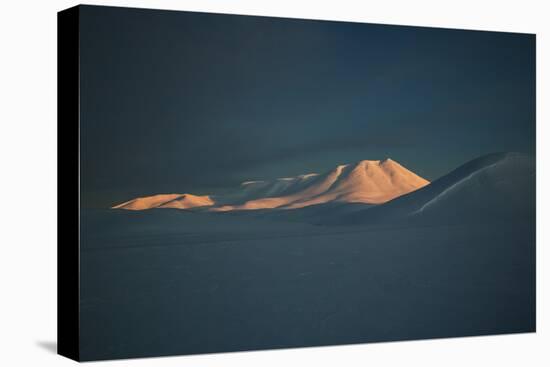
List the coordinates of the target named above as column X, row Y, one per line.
column 178, row 201
column 367, row 182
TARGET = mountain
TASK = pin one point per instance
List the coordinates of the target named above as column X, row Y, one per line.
column 495, row 186
column 178, row 201
column 367, row 182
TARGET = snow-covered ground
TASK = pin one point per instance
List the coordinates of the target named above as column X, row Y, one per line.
column 454, row 258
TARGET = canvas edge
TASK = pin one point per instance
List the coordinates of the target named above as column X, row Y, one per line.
column 68, row 184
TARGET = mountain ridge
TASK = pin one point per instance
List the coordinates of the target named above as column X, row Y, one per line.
column 365, row 181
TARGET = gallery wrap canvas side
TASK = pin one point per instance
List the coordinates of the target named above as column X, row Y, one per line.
column 68, row 178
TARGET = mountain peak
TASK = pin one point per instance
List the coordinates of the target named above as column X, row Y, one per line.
column 375, row 162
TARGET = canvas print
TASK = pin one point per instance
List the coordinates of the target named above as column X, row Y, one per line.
column 256, row 183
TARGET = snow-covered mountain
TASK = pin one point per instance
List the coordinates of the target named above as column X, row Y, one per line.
column 178, row 201
column 367, row 182
column 500, row 185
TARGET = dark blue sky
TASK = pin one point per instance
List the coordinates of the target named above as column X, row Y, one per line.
column 193, row 102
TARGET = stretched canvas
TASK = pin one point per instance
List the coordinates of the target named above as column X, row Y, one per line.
column 232, row 183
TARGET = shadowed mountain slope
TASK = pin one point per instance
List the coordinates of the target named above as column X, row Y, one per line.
column 496, row 186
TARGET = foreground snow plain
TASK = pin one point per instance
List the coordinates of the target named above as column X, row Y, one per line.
column 170, row 281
